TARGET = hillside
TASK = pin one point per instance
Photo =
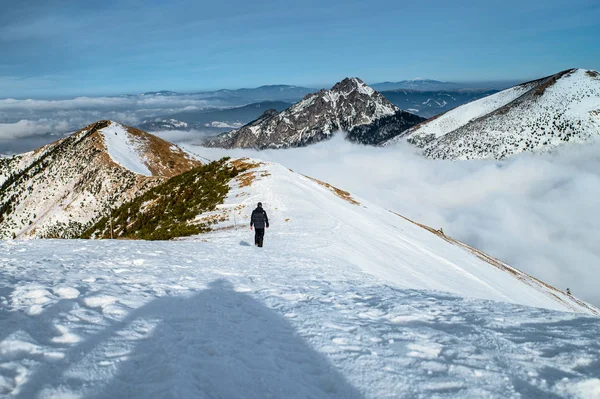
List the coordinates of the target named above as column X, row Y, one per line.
column 59, row 189
column 389, row 246
column 534, row 116
column 170, row 209
column 346, row 106
column 346, row 300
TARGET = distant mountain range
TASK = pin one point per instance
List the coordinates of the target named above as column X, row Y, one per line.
column 238, row 97
column 534, row 116
column 431, row 103
column 212, row 120
column 422, row 97
column 349, row 104
column 418, row 84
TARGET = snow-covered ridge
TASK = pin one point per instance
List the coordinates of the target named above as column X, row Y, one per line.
column 343, row 229
column 534, row 116
column 346, row 300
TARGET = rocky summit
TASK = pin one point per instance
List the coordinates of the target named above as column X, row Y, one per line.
column 348, row 105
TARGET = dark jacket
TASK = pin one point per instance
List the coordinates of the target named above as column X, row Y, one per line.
column 259, row 219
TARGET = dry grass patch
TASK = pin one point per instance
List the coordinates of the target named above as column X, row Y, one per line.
column 499, row 264
column 246, row 179
column 162, row 159
column 247, row 176
column 345, row 195
column 550, row 81
column 592, row 74
column 244, row 164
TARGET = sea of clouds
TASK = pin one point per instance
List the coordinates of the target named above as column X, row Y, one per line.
column 27, row 124
column 537, row 212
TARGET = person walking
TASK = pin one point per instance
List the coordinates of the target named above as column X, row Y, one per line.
column 259, row 220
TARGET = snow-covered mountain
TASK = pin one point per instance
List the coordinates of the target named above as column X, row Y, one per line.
column 348, row 104
column 533, row 116
column 59, row 189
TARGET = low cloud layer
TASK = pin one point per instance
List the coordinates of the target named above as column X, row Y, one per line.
column 27, row 124
column 539, row 213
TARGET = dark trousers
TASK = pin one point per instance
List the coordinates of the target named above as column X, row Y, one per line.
column 259, row 234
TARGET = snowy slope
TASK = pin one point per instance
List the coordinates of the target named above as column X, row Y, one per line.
column 462, row 115
column 123, row 149
column 346, row 300
column 383, row 243
column 535, row 116
column 60, row 189
column 134, row 319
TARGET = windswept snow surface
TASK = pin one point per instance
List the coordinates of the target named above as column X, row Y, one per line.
column 219, row 318
column 345, row 301
column 123, row 149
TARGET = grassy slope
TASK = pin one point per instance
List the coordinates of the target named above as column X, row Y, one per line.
column 169, row 210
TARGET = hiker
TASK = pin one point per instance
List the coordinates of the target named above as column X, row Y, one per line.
column 259, row 220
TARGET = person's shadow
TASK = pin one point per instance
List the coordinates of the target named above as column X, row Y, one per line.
column 218, row 343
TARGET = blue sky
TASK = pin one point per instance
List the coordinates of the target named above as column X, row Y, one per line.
column 73, row 47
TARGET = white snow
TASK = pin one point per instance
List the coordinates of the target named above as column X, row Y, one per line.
column 231, row 125
column 123, row 149
column 344, row 301
column 460, row 116
column 363, row 88
column 567, row 110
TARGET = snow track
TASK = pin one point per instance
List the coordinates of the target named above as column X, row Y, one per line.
column 221, row 319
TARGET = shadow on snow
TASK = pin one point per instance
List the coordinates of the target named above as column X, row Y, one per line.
column 218, row 343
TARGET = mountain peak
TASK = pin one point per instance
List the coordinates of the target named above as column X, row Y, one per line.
column 348, row 85
column 348, row 105
column 58, row 189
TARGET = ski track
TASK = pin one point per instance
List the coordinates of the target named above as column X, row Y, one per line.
column 219, row 318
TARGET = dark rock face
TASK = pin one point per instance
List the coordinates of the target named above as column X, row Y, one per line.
column 383, row 128
column 348, row 104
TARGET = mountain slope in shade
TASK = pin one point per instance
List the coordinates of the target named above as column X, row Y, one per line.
column 348, row 104
column 59, row 189
column 534, row 116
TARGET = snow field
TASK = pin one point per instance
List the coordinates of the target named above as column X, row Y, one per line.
column 121, row 147
column 219, row 318
column 346, row 300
